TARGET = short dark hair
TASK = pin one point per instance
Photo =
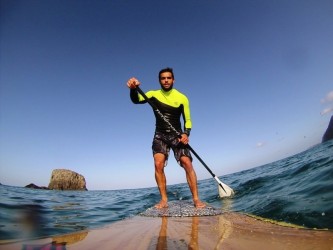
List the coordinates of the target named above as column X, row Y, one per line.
column 166, row 70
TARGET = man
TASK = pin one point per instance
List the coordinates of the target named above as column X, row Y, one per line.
column 172, row 104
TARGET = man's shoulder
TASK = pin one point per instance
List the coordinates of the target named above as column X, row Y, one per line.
column 159, row 94
column 177, row 92
column 152, row 92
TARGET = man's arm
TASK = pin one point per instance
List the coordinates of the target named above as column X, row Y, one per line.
column 134, row 96
column 187, row 116
column 187, row 121
column 132, row 83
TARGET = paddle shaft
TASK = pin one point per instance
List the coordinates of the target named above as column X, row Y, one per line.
column 179, row 135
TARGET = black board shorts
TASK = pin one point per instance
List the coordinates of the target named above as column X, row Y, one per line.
column 162, row 143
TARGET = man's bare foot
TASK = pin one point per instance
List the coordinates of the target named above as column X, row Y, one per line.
column 199, row 204
column 161, row 204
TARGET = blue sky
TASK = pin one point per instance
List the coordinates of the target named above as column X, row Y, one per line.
column 259, row 76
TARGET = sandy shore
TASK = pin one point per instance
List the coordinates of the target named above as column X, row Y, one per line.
column 226, row 231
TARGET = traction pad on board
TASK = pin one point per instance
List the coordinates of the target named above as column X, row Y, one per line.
column 181, row 209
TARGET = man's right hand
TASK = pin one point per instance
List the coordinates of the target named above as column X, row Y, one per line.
column 132, row 83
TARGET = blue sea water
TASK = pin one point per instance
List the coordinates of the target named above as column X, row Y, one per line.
column 298, row 190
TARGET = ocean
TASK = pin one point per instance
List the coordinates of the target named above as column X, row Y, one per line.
column 296, row 190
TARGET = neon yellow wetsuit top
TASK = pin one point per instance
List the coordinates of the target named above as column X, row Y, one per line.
column 172, row 104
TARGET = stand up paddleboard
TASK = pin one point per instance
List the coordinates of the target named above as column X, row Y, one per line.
column 185, row 228
column 181, row 209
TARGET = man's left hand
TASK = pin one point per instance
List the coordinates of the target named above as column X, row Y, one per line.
column 184, row 139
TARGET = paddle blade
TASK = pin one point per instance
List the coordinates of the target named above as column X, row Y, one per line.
column 227, row 192
column 224, row 189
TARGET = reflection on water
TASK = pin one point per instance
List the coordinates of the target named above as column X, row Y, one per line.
column 70, row 238
column 162, row 241
column 168, row 237
column 68, row 206
column 30, row 220
column 194, row 243
column 57, row 242
column 227, row 231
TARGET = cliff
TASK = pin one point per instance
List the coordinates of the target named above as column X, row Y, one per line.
column 329, row 131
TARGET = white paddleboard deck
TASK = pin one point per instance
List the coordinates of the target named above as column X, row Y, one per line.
column 228, row 231
column 181, row 209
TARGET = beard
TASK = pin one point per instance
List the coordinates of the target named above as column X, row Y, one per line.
column 168, row 88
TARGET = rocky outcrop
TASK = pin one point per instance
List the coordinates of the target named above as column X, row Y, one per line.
column 33, row 186
column 63, row 179
column 329, row 131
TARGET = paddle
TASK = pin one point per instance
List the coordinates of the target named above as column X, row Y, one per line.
column 224, row 190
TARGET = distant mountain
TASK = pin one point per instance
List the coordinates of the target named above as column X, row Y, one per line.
column 329, row 131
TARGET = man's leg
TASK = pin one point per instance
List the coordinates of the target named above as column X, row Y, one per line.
column 191, row 177
column 159, row 160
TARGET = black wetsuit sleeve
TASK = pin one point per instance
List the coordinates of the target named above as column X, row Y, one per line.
column 134, row 94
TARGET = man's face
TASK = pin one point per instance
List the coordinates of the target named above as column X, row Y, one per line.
column 166, row 80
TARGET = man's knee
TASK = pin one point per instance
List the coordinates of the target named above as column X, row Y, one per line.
column 159, row 161
column 186, row 163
